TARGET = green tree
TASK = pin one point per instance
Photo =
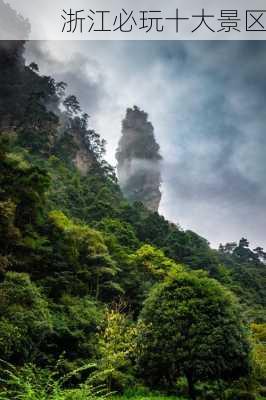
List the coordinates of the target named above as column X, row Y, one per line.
column 151, row 266
column 25, row 320
column 76, row 321
column 84, row 256
column 116, row 347
column 121, row 231
column 192, row 328
column 72, row 105
column 25, row 185
column 259, row 353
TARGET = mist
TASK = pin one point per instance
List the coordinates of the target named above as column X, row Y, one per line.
column 206, row 101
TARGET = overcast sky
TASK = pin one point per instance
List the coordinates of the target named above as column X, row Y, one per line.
column 207, row 102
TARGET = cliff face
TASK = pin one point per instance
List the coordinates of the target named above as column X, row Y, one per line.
column 82, row 157
column 139, row 160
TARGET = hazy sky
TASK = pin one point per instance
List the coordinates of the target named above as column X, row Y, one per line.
column 207, row 102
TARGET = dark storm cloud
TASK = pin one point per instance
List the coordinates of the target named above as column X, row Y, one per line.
column 207, row 102
column 220, row 174
column 75, row 71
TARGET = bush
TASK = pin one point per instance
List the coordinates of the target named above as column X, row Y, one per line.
column 25, row 320
column 236, row 394
column 31, row 383
column 116, row 347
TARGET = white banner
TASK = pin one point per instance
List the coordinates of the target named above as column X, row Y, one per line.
column 133, row 20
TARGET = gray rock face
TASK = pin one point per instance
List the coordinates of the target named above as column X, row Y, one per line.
column 138, row 157
column 83, row 159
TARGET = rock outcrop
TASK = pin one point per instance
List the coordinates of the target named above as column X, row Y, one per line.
column 139, row 160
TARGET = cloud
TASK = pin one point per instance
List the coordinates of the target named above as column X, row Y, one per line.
column 207, row 103
column 12, row 24
column 82, row 73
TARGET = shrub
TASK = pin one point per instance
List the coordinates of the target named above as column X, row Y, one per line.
column 236, row 394
column 191, row 327
column 31, row 383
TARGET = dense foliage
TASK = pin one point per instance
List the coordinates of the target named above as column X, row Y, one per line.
column 205, row 338
column 78, row 261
